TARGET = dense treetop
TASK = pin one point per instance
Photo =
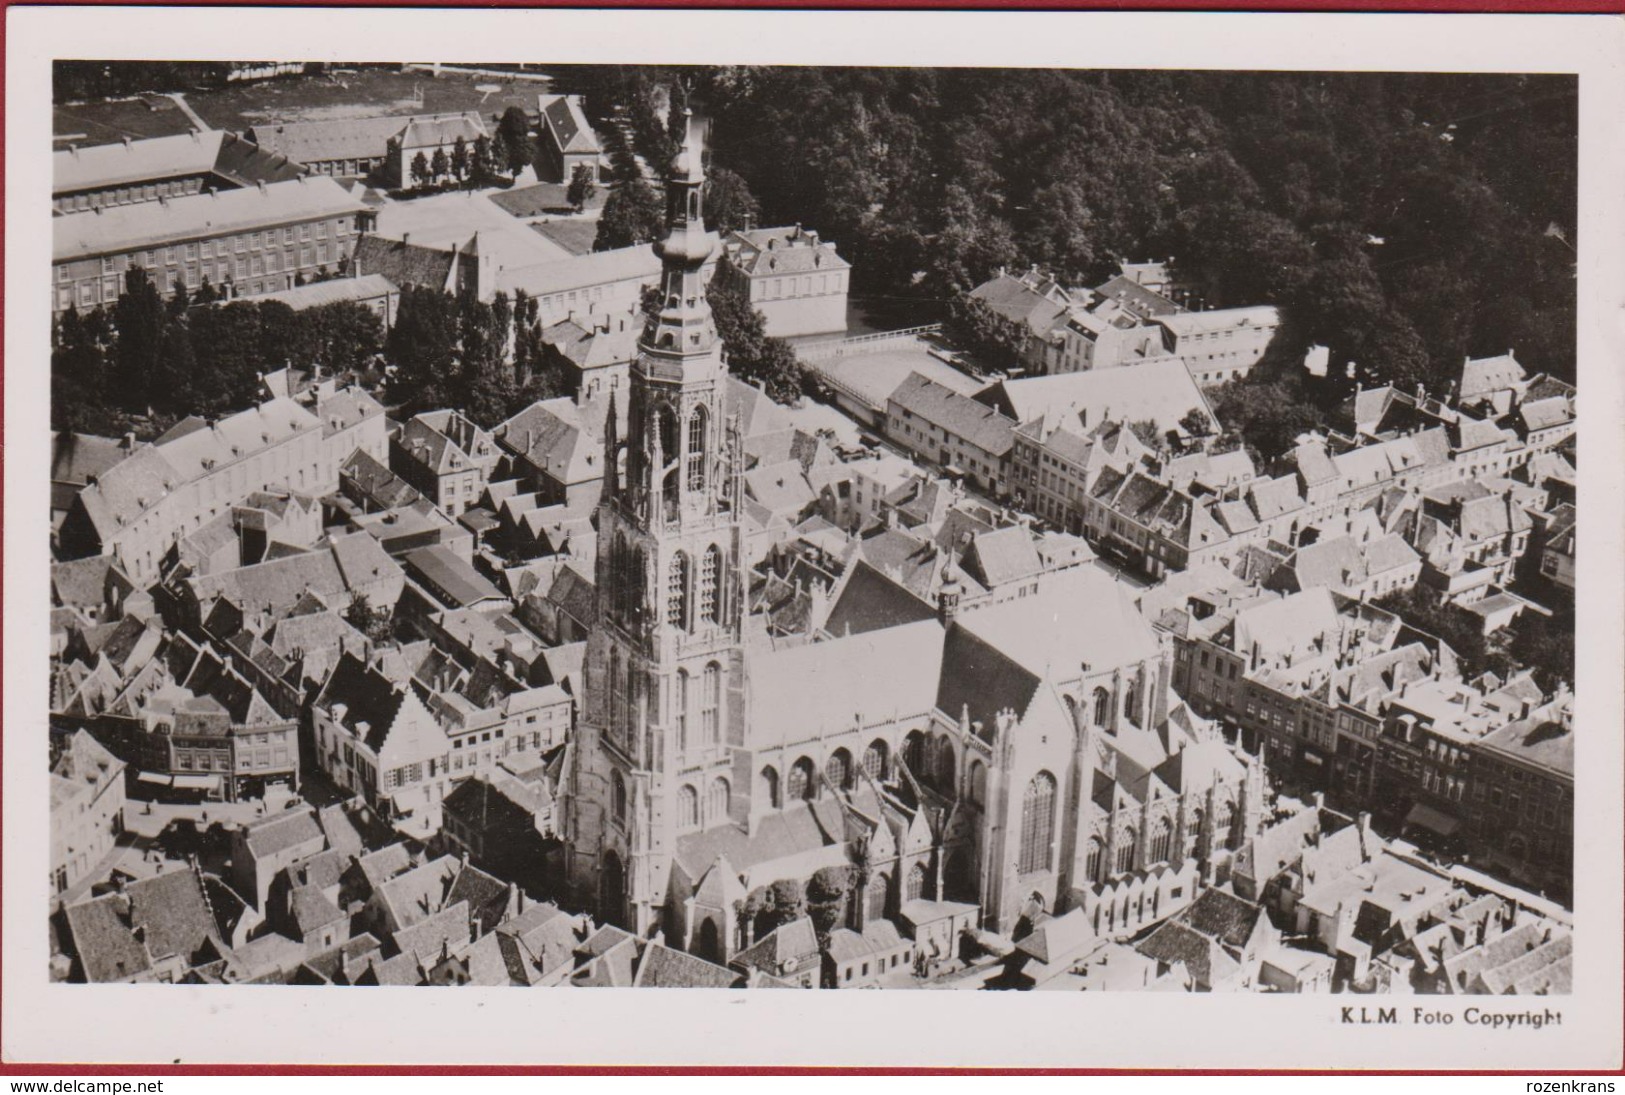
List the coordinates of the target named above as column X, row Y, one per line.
column 1403, row 220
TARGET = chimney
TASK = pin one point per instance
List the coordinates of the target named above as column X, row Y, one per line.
column 126, row 142
column 406, row 238
column 129, row 442
column 260, row 183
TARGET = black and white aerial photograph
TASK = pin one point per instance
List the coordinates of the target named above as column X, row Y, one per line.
column 562, row 525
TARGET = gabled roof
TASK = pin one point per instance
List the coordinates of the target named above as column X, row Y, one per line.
column 959, row 415
column 664, row 968
column 214, row 151
column 171, row 912
column 1485, row 375
column 1160, row 390
column 1003, row 557
column 870, row 601
column 562, row 116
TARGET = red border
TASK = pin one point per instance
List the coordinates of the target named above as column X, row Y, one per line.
column 14, row 1068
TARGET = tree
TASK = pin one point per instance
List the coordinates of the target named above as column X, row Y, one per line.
column 422, row 346
column 1458, row 628
column 828, row 892
column 1268, row 416
column 582, row 186
column 347, row 336
column 421, row 172
column 490, row 388
column 439, row 165
column 1146, row 430
column 376, row 624
column 79, row 389
column 729, row 204
column 138, row 319
column 1545, row 644
column 459, row 158
column 514, row 129
column 993, row 340
column 632, row 215
column 752, row 354
column 490, row 157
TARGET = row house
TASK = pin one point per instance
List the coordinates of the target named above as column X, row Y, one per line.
column 1470, row 538
column 251, row 241
column 87, row 807
column 140, row 507
column 376, row 738
column 949, row 428
column 444, row 456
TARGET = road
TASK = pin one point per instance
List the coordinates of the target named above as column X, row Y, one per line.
column 186, row 109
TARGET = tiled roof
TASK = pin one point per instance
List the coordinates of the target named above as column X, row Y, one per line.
column 401, row 263
column 958, row 415
column 120, row 229
column 870, row 601
column 1137, row 297
column 276, row 586
column 561, row 114
column 782, row 251
column 377, row 482
column 1037, row 303
column 452, row 575
column 1223, row 916
column 1160, row 390
column 637, row 263
column 278, row 833
column 215, row 151
column 337, row 139
column 334, row 291
column 1203, row 957
column 797, row 691
column 1484, row 375
column 171, row 911
column 442, row 130
column 665, row 968
column 1004, row 556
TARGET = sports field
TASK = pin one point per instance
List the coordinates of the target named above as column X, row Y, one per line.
column 338, row 94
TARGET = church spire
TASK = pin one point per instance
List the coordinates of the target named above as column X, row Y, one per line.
column 683, row 327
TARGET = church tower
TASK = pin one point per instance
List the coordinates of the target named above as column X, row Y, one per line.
column 654, row 751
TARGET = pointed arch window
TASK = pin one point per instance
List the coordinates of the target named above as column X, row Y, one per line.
column 717, row 801
column 1231, row 826
column 946, row 766
column 916, row 882
column 1162, row 842
column 770, row 787
column 800, row 785
column 874, row 897
column 688, row 807
column 711, row 705
column 978, row 782
column 695, row 474
column 1125, row 851
column 839, row 769
column 677, row 578
column 1096, row 852
column 680, row 701
column 874, row 759
column 617, row 695
column 710, row 606
column 1037, row 824
column 1103, row 706
column 617, row 785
